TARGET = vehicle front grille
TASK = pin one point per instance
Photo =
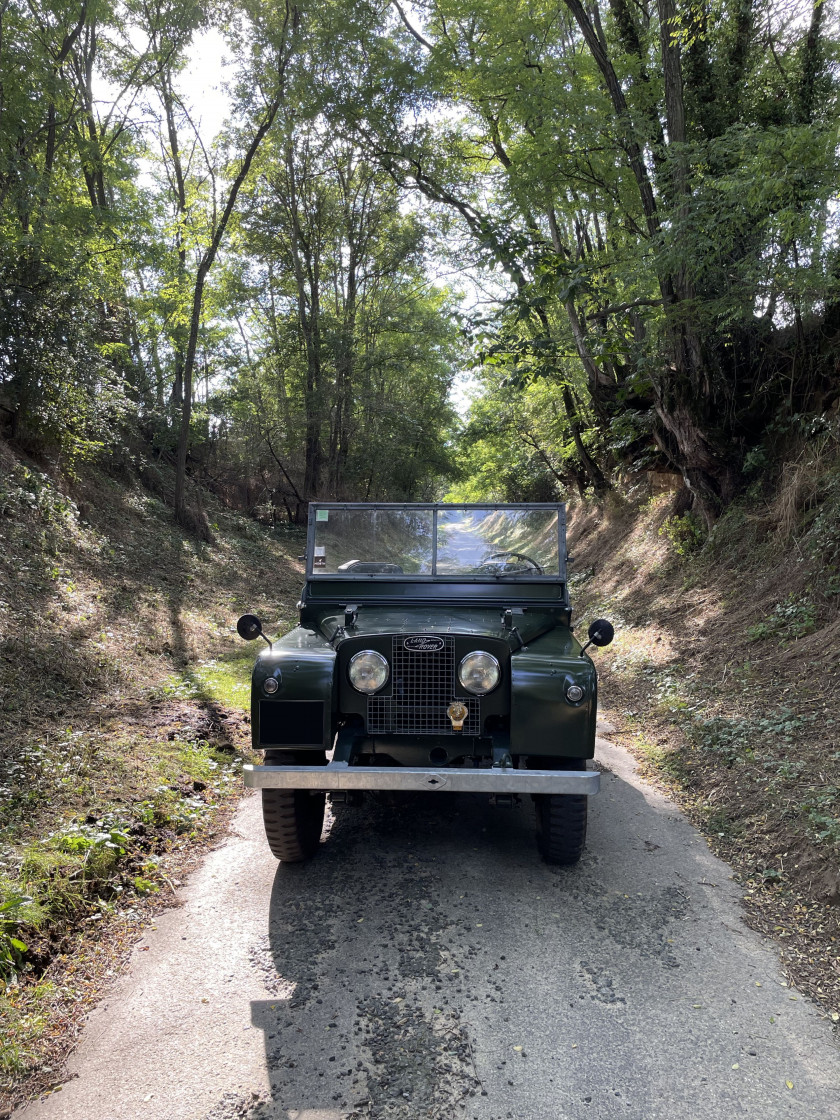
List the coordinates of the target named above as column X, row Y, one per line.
column 422, row 688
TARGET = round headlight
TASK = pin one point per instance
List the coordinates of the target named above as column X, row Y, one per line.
column 270, row 685
column 574, row 693
column 368, row 671
column 479, row 672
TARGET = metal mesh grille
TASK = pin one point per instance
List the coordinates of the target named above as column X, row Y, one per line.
column 423, row 686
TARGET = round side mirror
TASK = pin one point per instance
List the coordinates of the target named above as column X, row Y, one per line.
column 249, row 627
column 601, row 632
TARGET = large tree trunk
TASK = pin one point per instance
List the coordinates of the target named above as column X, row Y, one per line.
column 683, row 389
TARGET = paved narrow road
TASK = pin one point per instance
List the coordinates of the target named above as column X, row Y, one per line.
column 427, row 965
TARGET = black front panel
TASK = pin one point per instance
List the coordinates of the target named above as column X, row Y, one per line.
column 291, row 723
column 422, row 688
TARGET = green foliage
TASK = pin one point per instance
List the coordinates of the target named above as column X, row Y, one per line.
column 516, row 446
column 145, row 886
column 722, row 238
column 823, row 815
column 684, row 534
column 765, row 739
column 13, row 908
column 74, row 871
column 25, row 491
column 327, row 342
column 351, row 351
column 793, row 618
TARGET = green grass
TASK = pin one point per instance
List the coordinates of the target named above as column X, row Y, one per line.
column 224, row 680
column 26, row 1020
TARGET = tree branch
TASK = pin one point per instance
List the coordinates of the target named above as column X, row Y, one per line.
column 411, row 30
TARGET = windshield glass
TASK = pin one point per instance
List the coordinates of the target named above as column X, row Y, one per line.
column 492, row 542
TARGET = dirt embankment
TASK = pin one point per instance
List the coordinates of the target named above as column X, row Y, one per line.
column 123, row 701
column 724, row 681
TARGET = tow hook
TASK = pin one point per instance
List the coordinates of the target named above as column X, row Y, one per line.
column 457, row 713
column 504, row 800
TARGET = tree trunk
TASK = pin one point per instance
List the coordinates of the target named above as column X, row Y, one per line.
column 683, row 389
column 206, row 264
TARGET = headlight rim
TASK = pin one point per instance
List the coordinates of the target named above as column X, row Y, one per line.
column 496, row 663
column 369, row 653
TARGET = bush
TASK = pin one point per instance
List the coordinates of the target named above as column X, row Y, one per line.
column 685, row 534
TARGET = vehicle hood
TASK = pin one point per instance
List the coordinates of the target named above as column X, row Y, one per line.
column 484, row 621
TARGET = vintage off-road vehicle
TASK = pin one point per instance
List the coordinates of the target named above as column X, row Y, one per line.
column 434, row 652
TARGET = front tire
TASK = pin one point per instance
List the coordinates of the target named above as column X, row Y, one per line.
column 561, row 826
column 561, row 817
column 293, row 818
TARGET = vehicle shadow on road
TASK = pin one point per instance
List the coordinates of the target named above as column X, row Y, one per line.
column 374, row 949
column 356, row 945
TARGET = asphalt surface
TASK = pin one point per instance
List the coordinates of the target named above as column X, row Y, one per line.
column 427, row 964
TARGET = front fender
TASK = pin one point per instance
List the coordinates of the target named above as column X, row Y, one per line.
column 299, row 714
column 542, row 720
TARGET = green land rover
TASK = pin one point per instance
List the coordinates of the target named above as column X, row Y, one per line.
column 434, row 652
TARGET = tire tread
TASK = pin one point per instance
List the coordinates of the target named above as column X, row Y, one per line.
column 561, row 826
column 293, row 818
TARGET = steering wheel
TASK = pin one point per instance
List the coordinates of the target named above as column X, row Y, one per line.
column 519, row 556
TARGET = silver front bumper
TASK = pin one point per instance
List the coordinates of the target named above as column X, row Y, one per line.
column 340, row 776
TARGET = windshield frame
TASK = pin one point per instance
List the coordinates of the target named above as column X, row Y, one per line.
column 435, row 508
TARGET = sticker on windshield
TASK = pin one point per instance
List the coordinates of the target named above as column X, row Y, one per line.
column 320, row 556
column 423, row 643
column 322, row 515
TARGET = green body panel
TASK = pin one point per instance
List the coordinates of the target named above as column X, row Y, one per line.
column 304, row 664
column 442, row 591
column 542, row 720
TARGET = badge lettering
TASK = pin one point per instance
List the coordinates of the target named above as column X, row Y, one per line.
column 423, row 643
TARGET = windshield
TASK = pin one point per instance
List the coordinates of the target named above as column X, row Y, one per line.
column 497, row 542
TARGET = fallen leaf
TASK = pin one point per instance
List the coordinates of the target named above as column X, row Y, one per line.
column 517, row 1048
column 789, row 1084
column 736, row 1066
